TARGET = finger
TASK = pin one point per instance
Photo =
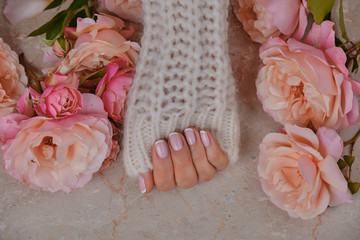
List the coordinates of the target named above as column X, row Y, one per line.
column 163, row 171
column 185, row 174
column 146, row 182
column 204, row 169
column 214, row 153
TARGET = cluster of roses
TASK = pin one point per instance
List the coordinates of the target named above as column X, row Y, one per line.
column 303, row 84
column 55, row 134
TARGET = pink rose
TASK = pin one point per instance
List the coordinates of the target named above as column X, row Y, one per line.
column 12, row 79
column 113, row 88
column 53, row 155
column 264, row 18
column 301, row 84
column 299, row 171
column 57, row 101
column 127, row 9
column 17, row 11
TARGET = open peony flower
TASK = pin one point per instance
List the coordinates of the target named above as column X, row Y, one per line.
column 301, row 84
column 59, row 101
column 299, row 171
column 113, row 88
column 97, row 45
column 127, row 9
column 264, row 18
column 17, row 11
column 12, row 79
column 53, row 155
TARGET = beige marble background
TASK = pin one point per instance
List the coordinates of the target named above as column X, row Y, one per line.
column 232, row 206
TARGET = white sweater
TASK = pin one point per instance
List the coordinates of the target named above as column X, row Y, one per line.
column 183, row 79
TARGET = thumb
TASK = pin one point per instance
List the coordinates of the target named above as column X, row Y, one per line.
column 146, row 182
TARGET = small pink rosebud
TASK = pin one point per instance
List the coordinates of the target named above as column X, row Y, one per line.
column 24, row 104
column 61, row 47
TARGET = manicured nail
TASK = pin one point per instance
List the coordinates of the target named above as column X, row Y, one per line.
column 205, row 138
column 190, row 136
column 142, row 184
column 161, row 149
column 175, row 141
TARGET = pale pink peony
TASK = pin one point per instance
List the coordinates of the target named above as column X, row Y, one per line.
column 127, row 9
column 114, row 86
column 97, row 45
column 264, row 18
column 9, row 126
column 299, row 171
column 12, row 79
column 53, row 155
column 301, row 84
column 17, row 11
column 59, row 101
column 56, row 78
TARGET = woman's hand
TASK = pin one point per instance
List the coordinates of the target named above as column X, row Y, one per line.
column 182, row 160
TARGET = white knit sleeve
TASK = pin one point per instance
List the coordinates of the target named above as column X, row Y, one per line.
column 183, row 79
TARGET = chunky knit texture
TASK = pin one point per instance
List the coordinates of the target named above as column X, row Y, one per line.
column 183, row 79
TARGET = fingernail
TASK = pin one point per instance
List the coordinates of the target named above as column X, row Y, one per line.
column 175, row 141
column 142, row 184
column 205, row 138
column 190, row 136
column 161, row 149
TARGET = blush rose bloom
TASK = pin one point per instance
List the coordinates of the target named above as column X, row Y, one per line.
column 127, row 9
column 264, row 18
column 57, row 101
column 12, row 79
column 97, row 45
column 299, row 171
column 53, row 155
column 301, row 84
column 113, row 88
column 17, row 11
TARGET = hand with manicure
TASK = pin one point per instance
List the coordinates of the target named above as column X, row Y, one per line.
column 182, row 160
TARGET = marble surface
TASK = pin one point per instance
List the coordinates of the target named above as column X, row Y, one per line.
column 232, row 206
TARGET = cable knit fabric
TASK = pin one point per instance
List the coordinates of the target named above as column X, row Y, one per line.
column 183, row 79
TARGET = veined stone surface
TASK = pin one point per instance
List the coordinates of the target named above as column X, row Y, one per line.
column 231, row 206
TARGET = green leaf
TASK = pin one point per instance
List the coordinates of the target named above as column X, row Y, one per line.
column 49, row 25
column 349, row 160
column 342, row 164
column 342, row 23
column 320, row 8
column 354, row 187
column 48, row 42
column 58, row 26
column 77, row 4
column 54, row 4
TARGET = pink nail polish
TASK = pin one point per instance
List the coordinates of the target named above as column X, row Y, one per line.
column 142, row 184
column 190, row 136
column 175, row 141
column 205, row 138
column 161, row 149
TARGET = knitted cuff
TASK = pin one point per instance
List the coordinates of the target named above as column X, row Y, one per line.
column 183, row 79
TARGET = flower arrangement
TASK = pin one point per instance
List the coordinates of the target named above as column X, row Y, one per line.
column 58, row 129
column 304, row 84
